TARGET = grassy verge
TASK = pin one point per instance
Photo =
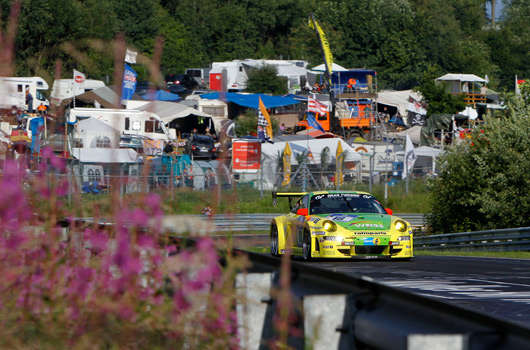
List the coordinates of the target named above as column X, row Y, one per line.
column 243, row 199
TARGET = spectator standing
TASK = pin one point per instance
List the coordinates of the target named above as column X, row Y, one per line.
column 29, row 101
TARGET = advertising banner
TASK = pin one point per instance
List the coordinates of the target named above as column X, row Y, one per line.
column 246, row 156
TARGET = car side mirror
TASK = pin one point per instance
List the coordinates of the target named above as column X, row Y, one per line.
column 389, row 211
column 302, row 212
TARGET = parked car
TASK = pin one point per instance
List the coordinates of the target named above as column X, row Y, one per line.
column 202, row 146
column 142, row 87
column 182, row 79
column 132, row 141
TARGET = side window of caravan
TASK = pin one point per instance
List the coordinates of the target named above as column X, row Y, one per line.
column 153, row 126
column 20, row 88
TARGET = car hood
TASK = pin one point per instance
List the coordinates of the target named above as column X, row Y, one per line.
column 360, row 222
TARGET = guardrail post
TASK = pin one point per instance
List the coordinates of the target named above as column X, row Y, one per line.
column 254, row 309
column 327, row 323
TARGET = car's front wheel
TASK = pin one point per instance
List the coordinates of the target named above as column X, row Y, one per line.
column 306, row 246
column 274, row 240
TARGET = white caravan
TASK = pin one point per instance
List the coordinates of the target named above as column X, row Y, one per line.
column 13, row 92
column 65, row 88
column 126, row 121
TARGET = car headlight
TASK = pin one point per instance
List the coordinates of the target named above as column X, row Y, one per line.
column 403, row 238
column 400, row 225
column 329, row 226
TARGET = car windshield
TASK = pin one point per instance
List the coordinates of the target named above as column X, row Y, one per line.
column 345, row 203
column 203, row 141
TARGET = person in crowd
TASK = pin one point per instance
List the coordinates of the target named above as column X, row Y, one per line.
column 207, row 210
column 41, row 109
column 29, row 101
column 352, row 84
column 282, row 128
column 169, row 148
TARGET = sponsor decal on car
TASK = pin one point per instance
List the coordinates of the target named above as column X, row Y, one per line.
column 319, row 233
column 370, row 233
column 366, row 225
column 371, row 241
column 342, row 217
column 316, row 220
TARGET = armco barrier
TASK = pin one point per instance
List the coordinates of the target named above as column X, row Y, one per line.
column 336, row 311
column 514, row 239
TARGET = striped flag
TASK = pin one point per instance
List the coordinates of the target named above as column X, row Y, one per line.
column 316, row 106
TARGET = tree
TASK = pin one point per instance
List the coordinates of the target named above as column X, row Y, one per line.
column 265, row 79
column 438, row 100
column 484, row 182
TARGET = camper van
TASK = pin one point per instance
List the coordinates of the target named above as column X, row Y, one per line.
column 13, row 92
column 126, row 121
column 65, row 88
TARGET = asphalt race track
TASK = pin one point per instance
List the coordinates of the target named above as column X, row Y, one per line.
column 500, row 287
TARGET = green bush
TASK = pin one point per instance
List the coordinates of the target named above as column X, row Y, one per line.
column 484, row 182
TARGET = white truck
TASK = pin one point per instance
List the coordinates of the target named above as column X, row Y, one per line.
column 65, row 88
column 13, row 92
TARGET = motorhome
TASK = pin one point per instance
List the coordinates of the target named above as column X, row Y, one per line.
column 66, row 88
column 13, row 92
column 126, row 121
column 232, row 76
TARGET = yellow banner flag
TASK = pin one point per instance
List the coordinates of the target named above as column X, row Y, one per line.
column 265, row 113
column 338, row 159
column 287, row 164
column 328, row 57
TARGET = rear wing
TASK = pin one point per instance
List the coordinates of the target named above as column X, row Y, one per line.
column 290, row 195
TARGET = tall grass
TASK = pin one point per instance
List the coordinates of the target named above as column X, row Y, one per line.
column 119, row 287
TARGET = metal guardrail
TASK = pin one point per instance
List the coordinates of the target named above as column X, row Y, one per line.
column 514, row 239
column 261, row 222
column 338, row 311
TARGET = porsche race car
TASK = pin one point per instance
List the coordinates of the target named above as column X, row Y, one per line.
column 339, row 224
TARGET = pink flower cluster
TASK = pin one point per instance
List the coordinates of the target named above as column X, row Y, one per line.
column 112, row 287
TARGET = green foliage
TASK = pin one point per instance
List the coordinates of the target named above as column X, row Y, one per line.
column 484, row 182
column 399, row 39
column 439, row 101
column 247, row 124
column 265, row 79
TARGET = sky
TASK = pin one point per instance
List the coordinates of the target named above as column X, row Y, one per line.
column 498, row 9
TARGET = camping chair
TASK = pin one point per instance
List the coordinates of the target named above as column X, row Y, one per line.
column 85, row 188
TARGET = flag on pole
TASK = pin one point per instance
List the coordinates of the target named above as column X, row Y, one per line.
column 130, row 56
column 315, row 106
column 264, row 122
column 287, row 164
column 312, row 122
column 518, row 83
column 79, row 80
column 129, row 83
column 410, row 157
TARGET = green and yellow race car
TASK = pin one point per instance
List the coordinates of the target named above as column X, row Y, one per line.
column 339, row 224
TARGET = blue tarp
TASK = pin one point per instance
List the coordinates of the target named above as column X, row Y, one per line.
column 161, row 95
column 251, row 100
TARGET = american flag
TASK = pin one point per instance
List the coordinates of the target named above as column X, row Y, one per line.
column 316, row 106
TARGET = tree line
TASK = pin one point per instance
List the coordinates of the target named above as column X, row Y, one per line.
column 400, row 39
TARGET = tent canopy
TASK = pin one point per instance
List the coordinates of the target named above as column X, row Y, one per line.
column 461, row 77
column 251, row 100
column 105, row 155
column 398, row 99
column 334, row 68
column 161, row 95
column 106, row 96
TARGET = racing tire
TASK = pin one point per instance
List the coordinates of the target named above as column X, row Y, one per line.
column 306, row 246
column 274, row 241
